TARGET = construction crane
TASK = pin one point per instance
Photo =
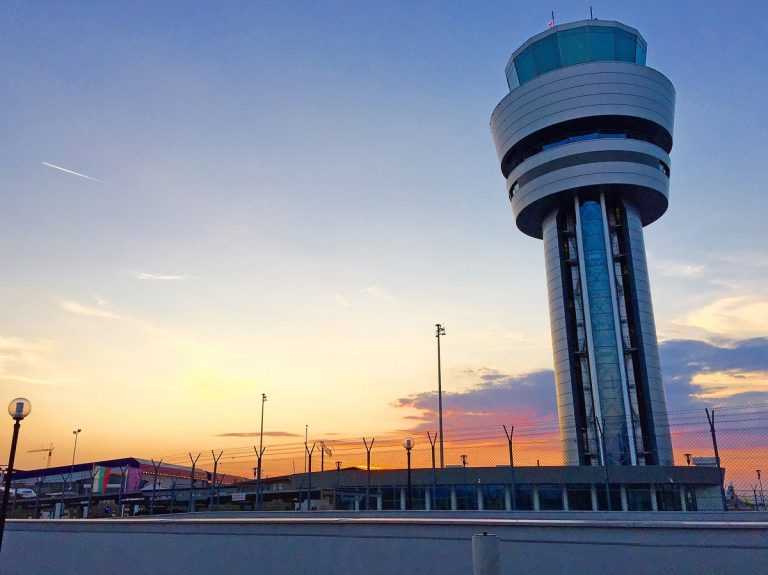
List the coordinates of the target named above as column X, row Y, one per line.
column 48, row 449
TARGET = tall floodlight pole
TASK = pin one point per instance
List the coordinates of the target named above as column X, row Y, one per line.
column 18, row 409
column 76, row 433
column 440, row 330
column 260, row 453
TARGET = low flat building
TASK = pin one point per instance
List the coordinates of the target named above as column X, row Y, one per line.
column 562, row 488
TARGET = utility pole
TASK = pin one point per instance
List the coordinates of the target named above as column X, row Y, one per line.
column 368, row 447
column 156, row 469
column 713, row 432
column 762, row 493
column 439, row 331
column 192, row 483
column 259, row 456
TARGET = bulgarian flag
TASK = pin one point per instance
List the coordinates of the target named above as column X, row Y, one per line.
column 100, row 480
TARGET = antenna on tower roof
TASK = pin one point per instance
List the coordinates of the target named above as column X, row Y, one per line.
column 591, row 17
column 551, row 23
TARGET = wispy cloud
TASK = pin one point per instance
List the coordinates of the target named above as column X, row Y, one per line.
column 71, row 172
column 342, row 301
column 378, row 292
column 679, row 269
column 256, row 434
column 76, row 308
column 25, row 362
column 161, row 277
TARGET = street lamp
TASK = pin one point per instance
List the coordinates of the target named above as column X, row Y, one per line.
column 408, row 444
column 76, row 433
column 18, row 409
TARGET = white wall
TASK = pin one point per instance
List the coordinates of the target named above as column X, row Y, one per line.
column 321, row 545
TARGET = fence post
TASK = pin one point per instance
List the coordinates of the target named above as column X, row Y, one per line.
column 485, row 554
column 368, row 447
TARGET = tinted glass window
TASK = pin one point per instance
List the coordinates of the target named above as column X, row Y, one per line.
column 668, row 498
column 603, row 499
column 526, row 67
column 523, row 498
column 390, row 498
column 574, row 46
column 602, row 43
column 442, row 498
column 546, row 54
column 640, row 53
column 550, row 497
column 625, row 45
column 466, row 497
column 580, row 497
column 493, row 497
column 639, row 497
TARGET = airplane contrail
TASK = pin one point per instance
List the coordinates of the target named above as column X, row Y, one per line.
column 78, row 174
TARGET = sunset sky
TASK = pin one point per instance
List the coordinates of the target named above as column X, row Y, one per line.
column 203, row 203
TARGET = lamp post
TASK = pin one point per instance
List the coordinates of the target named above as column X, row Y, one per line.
column 408, row 444
column 260, row 454
column 18, row 409
column 76, row 433
column 440, row 330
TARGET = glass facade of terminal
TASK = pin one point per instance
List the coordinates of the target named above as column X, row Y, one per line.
column 576, row 46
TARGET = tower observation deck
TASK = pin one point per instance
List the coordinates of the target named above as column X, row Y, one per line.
column 583, row 138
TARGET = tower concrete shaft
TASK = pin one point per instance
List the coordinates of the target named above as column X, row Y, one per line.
column 583, row 139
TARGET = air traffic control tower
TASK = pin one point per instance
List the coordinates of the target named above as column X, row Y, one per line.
column 584, row 137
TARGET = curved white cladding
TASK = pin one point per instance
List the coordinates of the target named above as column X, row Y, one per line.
column 583, row 90
column 632, row 168
column 647, row 328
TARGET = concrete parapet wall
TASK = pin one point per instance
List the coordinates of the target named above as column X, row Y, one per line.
column 385, row 544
